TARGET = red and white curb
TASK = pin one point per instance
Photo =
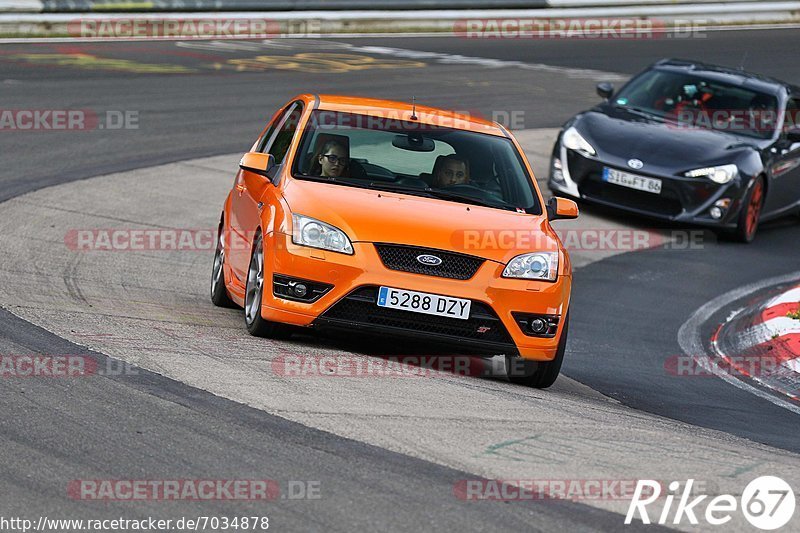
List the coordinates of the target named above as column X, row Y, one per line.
column 762, row 342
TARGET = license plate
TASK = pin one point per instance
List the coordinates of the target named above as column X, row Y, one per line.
column 632, row 181
column 422, row 302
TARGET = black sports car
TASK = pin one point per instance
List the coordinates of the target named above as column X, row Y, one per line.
column 687, row 142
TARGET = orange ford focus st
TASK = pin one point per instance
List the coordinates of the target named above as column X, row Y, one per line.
column 401, row 220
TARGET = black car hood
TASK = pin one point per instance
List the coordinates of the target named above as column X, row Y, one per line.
column 663, row 147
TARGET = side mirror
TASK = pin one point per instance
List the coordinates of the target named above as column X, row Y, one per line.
column 793, row 134
column 561, row 209
column 605, row 90
column 257, row 163
column 256, row 175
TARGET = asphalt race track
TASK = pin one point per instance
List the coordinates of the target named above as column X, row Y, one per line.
column 200, row 398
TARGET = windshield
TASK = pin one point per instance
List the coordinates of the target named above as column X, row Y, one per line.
column 696, row 102
column 425, row 160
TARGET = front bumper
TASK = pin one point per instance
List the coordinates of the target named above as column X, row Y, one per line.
column 350, row 303
column 684, row 200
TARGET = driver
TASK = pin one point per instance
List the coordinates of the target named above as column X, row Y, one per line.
column 332, row 160
column 450, row 170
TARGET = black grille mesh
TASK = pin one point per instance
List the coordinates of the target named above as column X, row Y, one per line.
column 661, row 204
column 404, row 258
column 360, row 307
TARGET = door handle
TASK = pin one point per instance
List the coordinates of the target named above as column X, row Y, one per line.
column 241, row 189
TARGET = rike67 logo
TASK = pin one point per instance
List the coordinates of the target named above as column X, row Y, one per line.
column 767, row 503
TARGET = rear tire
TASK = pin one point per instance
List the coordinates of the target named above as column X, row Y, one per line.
column 253, row 295
column 538, row 374
column 747, row 224
column 219, row 293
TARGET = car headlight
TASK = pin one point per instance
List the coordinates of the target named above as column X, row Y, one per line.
column 721, row 174
column 311, row 232
column 574, row 141
column 538, row 265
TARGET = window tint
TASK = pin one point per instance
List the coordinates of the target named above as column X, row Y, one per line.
column 369, row 145
column 792, row 118
column 698, row 102
column 284, row 134
column 433, row 160
column 262, row 143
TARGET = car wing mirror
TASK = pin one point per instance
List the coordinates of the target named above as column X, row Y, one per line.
column 561, row 209
column 605, row 90
column 257, row 163
column 256, row 173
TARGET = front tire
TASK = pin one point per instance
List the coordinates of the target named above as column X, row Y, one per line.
column 253, row 296
column 219, row 293
column 751, row 212
column 538, row 374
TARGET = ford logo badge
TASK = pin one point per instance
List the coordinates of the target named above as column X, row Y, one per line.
column 635, row 163
column 430, row 260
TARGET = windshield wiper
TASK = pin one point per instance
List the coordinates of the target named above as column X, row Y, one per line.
column 442, row 195
column 399, row 188
column 448, row 195
column 638, row 111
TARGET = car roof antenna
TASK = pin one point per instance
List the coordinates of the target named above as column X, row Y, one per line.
column 414, row 108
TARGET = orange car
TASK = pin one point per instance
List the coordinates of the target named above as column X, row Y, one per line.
column 401, row 220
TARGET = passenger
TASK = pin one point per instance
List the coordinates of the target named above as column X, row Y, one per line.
column 450, row 170
column 332, row 160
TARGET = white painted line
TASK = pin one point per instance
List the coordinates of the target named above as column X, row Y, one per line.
column 792, row 364
column 782, row 325
column 766, row 331
column 590, row 3
column 28, row 6
column 358, row 35
column 654, row 11
column 457, row 59
column 792, row 296
column 692, row 344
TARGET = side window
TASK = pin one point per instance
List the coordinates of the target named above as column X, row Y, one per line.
column 263, row 141
column 285, row 133
column 792, row 118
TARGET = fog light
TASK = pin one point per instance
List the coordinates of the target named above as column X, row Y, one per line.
column 720, row 206
column 300, row 290
column 538, row 326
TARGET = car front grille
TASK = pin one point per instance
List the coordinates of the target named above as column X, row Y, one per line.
column 360, row 308
column 665, row 204
column 453, row 265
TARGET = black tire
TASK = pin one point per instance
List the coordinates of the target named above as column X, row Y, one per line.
column 253, row 294
column 219, row 293
column 747, row 223
column 538, row 374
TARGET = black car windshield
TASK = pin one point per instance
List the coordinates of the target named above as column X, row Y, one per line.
column 692, row 101
column 435, row 161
